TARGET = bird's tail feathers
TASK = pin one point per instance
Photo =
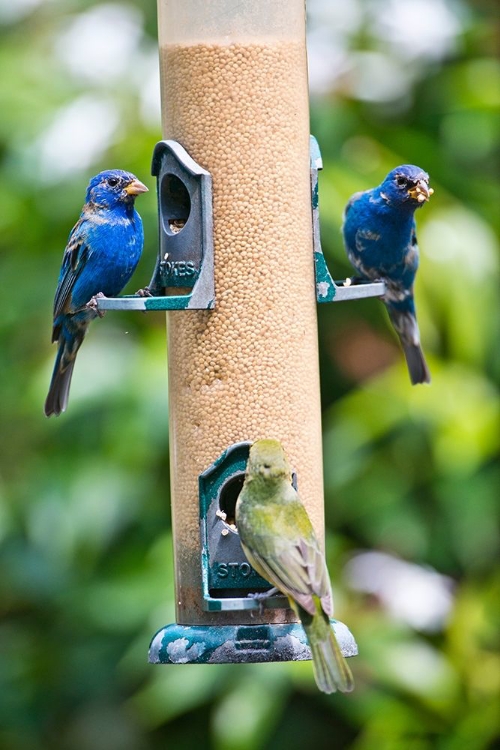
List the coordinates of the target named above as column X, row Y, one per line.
column 331, row 670
column 417, row 366
column 57, row 397
column 406, row 326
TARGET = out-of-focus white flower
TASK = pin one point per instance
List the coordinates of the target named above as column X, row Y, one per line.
column 13, row 10
column 417, row 28
column 416, row 595
column 328, row 30
column 146, row 80
column 405, row 36
column 327, row 60
column 77, row 137
column 421, row 668
column 101, row 44
column 449, row 236
column 376, row 78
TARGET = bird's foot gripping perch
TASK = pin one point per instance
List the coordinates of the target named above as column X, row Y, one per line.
column 261, row 596
column 146, row 292
column 93, row 305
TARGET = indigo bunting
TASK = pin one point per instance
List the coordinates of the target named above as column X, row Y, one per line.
column 279, row 541
column 381, row 243
column 103, row 250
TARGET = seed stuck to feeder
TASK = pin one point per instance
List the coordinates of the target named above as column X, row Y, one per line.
column 176, row 225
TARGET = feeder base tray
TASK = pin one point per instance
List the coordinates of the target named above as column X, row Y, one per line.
column 231, row 644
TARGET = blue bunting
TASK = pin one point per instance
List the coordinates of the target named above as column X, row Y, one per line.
column 102, row 253
column 381, row 243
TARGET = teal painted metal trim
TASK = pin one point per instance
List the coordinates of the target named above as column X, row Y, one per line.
column 325, row 285
column 136, row 302
column 327, row 290
column 230, row 644
column 240, row 604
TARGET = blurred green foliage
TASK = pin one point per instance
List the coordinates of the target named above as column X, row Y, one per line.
column 86, row 570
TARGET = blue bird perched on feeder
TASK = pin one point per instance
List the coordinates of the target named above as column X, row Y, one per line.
column 381, row 243
column 102, row 253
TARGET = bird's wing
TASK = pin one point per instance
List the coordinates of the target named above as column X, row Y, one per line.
column 75, row 256
column 297, row 567
column 399, row 278
column 351, row 202
column 412, row 255
column 361, row 239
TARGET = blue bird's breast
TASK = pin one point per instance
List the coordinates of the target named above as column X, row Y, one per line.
column 115, row 246
column 379, row 239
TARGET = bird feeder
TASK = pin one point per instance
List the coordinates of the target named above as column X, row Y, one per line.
column 239, row 270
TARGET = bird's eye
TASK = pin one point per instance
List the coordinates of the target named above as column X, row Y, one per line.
column 401, row 181
column 113, row 181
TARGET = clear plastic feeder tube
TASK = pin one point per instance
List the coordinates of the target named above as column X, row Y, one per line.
column 234, row 94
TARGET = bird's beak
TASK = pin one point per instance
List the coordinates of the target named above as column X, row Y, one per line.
column 136, row 188
column 421, row 192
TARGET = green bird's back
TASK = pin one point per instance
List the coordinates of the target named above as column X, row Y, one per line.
column 279, row 541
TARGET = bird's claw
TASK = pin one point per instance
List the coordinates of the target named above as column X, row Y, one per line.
column 261, row 597
column 146, row 292
column 92, row 304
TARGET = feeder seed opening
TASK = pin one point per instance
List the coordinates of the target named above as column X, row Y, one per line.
column 228, row 497
column 175, row 203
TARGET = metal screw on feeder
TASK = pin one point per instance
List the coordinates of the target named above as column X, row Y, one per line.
column 235, row 101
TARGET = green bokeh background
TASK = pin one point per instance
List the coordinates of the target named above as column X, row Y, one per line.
column 85, row 558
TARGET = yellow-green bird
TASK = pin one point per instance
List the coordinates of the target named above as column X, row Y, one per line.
column 279, row 541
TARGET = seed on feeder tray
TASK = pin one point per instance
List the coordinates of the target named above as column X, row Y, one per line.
column 176, row 225
column 220, row 513
column 224, row 532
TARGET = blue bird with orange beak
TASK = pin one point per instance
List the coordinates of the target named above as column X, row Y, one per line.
column 381, row 243
column 102, row 253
